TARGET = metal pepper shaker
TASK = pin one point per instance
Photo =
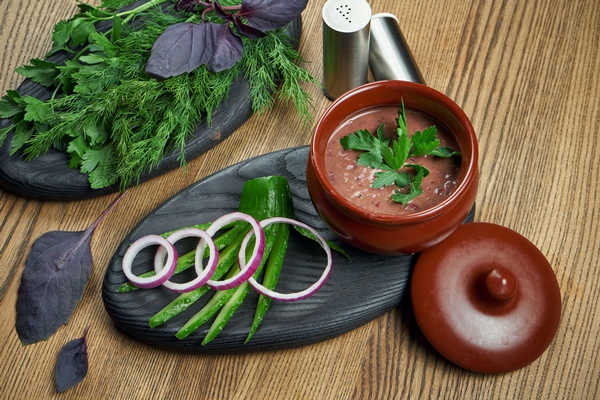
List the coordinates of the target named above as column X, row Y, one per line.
column 346, row 28
column 389, row 54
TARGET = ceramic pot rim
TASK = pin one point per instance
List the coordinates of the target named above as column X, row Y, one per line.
column 361, row 98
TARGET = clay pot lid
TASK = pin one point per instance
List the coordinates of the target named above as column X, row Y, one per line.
column 486, row 298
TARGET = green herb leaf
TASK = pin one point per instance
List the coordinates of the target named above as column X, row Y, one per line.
column 92, row 158
column 66, row 75
column 424, row 142
column 92, row 58
column 36, row 110
column 99, row 164
column 74, row 161
column 396, row 156
column 415, row 186
column 403, row 179
column 23, row 132
column 365, row 141
column 40, row 71
column 81, row 32
column 77, row 148
column 95, row 134
column 391, row 177
column 401, row 124
column 384, row 178
column 61, row 36
column 11, row 104
column 4, row 133
column 445, row 152
column 117, row 29
column 101, row 42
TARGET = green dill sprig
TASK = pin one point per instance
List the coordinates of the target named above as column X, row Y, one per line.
column 274, row 58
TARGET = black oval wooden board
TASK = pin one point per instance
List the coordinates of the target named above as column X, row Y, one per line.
column 357, row 291
column 49, row 177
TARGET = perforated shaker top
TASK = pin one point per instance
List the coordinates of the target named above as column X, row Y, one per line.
column 346, row 15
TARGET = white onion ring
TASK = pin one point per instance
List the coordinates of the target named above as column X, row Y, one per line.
column 203, row 274
column 289, row 297
column 246, row 270
column 163, row 274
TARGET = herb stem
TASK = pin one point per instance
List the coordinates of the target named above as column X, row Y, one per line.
column 211, row 3
column 206, row 11
column 54, row 93
column 141, row 8
column 129, row 13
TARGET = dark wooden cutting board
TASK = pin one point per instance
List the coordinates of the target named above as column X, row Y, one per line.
column 358, row 290
column 49, row 177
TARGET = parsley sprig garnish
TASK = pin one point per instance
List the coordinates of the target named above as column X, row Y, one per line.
column 390, row 155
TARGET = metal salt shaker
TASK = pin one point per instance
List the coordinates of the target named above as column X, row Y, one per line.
column 346, row 28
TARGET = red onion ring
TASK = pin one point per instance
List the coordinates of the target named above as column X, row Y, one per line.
column 163, row 274
column 246, row 270
column 289, row 297
column 203, row 274
column 164, row 270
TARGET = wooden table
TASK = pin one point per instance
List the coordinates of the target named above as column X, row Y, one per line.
column 528, row 75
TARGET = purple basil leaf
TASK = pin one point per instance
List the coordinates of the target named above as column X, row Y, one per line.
column 268, row 15
column 181, row 48
column 247, row 30
column 56, row 272
column 52, row 284
column 228, row 51
column 72, row 363
column 185, row 5
column 221, row 13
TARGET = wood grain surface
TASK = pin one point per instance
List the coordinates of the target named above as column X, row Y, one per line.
column 528, row 75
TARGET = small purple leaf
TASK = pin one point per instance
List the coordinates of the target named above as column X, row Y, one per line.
column 181, row 48
column 247, row 30
column 54, row 278
column 228, row 51
column 268, row 15
column 220, row 11
column 186, row 5
column 72, row 363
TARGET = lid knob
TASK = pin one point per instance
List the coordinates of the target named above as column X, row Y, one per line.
column 501, row 284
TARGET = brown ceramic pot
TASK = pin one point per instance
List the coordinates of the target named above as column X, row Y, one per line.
column 393, row 234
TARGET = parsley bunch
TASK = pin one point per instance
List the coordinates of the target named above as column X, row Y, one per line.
column 114, row 120
column 391, row 155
